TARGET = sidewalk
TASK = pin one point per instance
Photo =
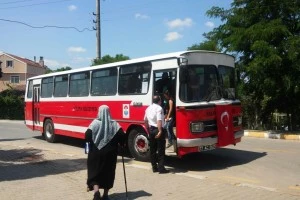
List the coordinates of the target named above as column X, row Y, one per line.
column 273, row 134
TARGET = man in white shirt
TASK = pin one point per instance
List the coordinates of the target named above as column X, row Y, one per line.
column 154, row 122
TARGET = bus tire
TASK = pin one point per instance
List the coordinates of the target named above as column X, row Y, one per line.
column 139, row 146
column 49, row 131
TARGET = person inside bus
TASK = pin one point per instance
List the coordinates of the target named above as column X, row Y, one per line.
column 211, row 92
column 104, row 135
column 134, row 84
column 170, row 117
column 154, row 121
column 163, row 83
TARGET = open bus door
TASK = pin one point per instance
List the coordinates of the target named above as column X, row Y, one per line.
column 36, row 107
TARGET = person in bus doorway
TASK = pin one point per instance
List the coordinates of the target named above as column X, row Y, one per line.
column 169, row 117
column 163, row 83
column 104, row 135
column 154, row 121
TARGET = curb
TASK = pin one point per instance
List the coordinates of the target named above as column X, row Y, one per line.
column 12, row 121
column 271, row 135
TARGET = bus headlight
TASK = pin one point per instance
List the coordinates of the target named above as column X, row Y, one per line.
column 197, row 127
column 240, row 120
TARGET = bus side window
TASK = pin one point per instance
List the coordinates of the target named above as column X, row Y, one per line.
column 134, row 78
column 134, row 84
column 47, row 87
column 79, row 84
column 104, row 82
column 61, row 86
column 29, row 89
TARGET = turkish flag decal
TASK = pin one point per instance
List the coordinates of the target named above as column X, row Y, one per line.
column 225, row 124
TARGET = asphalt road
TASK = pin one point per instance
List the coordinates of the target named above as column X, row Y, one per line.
column 265, row 164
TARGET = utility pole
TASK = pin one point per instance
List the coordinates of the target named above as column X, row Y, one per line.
column 1, row 70
column 98, row 31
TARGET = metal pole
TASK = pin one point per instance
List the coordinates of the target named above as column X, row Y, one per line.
column 125, row 177
column 98, row 30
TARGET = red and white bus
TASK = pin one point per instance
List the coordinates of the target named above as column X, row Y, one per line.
column 208, row 114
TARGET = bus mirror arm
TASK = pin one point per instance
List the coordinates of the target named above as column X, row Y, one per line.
column 182, row 61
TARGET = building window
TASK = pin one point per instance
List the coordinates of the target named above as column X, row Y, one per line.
column 15, row 79
column 9, row 63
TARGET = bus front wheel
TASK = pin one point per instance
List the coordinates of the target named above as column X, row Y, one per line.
column 49, row 131
column 138, row 144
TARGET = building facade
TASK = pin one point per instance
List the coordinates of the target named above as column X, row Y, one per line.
column 15, row 70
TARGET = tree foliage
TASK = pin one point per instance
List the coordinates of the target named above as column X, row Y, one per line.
column 58, row 69
column 209, row 44
column 264, row 36
column 109, row 59
column 12, row 104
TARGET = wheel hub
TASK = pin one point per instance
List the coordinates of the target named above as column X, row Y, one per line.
column 48, row 130
column 141, row 144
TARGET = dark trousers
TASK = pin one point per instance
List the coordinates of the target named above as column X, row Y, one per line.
column 157, row 148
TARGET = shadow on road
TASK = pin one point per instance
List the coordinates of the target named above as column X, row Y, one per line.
column 15, row 139
column 213, row 160
column 131, row 195
column 75, row 142
column 205, row 161
column 80, row 143
column 19, row 164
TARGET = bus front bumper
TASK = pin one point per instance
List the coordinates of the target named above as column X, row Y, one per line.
column 204, row 141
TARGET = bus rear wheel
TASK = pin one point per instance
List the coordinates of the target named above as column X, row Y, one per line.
column 139, row 146
column 49, row 131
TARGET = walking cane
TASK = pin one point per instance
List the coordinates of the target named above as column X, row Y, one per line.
column 125, row 177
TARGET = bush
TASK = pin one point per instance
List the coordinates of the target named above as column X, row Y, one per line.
column 12, row 104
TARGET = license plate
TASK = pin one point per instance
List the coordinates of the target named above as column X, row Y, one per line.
column 207, row 147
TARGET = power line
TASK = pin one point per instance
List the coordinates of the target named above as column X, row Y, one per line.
column 47, row 26
column 34, row 4
column 12, row 2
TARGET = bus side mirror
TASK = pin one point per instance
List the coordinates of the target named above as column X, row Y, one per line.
column 182, row 61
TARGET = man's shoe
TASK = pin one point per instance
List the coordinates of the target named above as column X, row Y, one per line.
column 105, row 197
column 163, row 171
column 154, row 170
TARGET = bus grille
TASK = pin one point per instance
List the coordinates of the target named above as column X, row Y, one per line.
column 210, row 126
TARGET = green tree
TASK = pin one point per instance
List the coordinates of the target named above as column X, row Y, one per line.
column 264, row 34
column 11, row 104
column 209, row 44
column 58, row 69
column 109, row 59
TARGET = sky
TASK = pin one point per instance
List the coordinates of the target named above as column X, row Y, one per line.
column 134, row 28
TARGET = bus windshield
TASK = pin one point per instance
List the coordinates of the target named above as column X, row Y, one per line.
column 199, row 83
column 206, row 83
column 227, row 80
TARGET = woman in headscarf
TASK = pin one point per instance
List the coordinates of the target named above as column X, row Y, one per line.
column 104, row 135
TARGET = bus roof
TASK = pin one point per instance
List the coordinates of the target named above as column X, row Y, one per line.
column 126, row 62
